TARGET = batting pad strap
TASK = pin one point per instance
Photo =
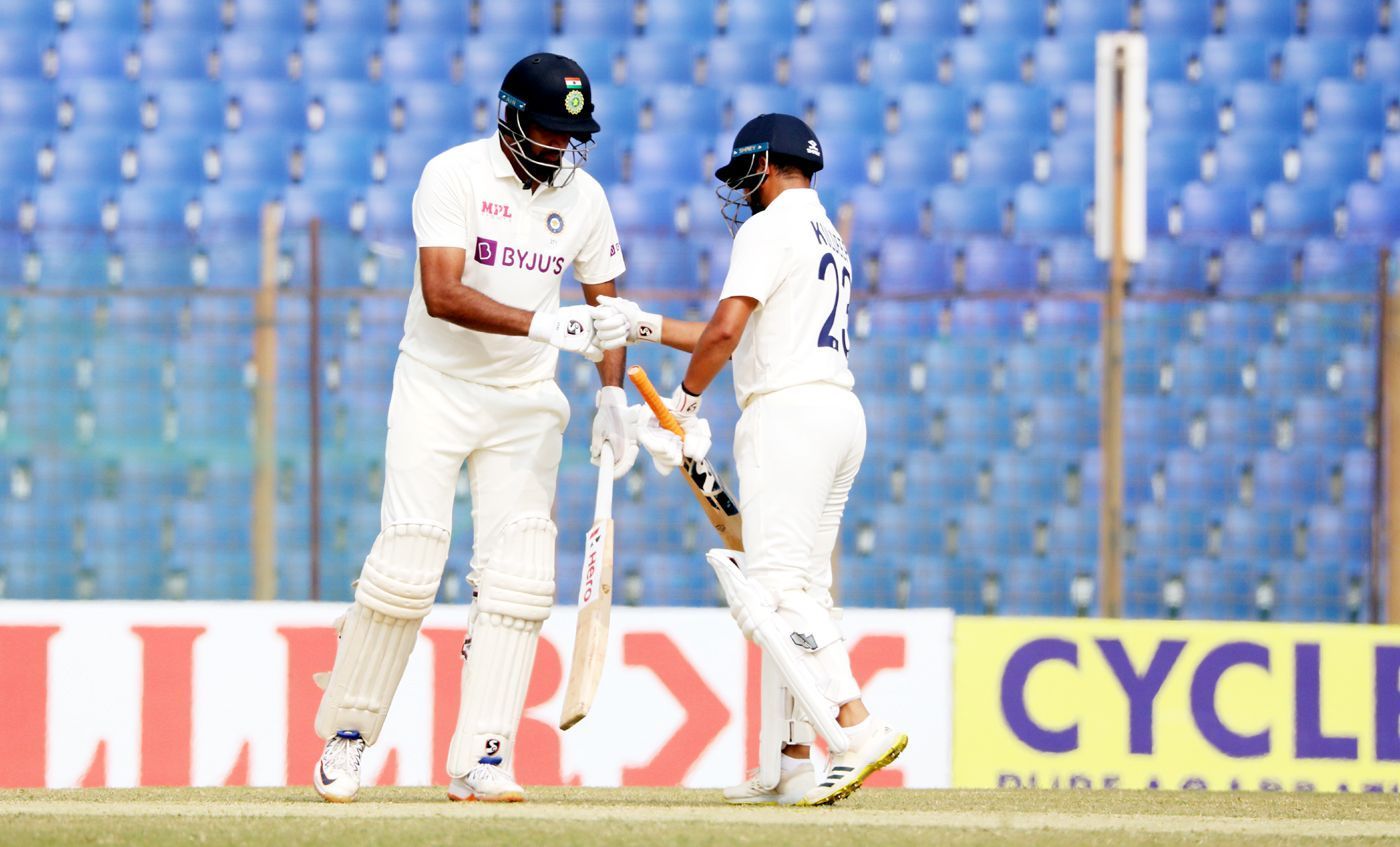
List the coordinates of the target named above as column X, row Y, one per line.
column 513, row 596
column 402, row 571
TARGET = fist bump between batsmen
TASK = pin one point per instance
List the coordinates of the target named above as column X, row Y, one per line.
column 614, row 423
column 570, row 329
column 666, row 449
column 618, row 322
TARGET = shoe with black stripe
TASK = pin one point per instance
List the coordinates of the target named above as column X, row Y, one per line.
column 847, row 771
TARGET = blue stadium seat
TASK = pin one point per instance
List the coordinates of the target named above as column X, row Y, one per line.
column 1169, row 57
column 1174, row 158
column 1026, row 479
column 1066, row 423
column 1004, row 158
column 103, row 104
column 256, row 158
column 856, row 20
column 605, row 158
column 1175, row 20
column 668, row 154
column 21, row 56
column 503, row 19
column 431, row 107
column 1227, row 60
column 188, row 106
column 1064, row 60
column 1153, row 424
column 485, row 61
column 435, row 17
column 111, row 17
column 1383, row 60
column 812, row 61
column 19, row 155
column 776, row 20
column 154, row 243
column 68, row 234
column 1333, row 267
column 1214, row 212
column 887, row 211
column 1266, row 106
column 1390, row 159
column 977, row 61
column 688, row 19
column 1372, row 214
column 1050, row 211
column 1195, row 478
column 1248, row 268
column 189, row 18
column 1240, row 324
column 848, row 156
column 741, row 60
column 93, row 156
column 615, row 108
column 364, row 18
column 172, row 157
column 995, row 265
column 925, row 107
column 329, row 202
column 250, row 55
column 1355, row 20
column 599, row 57
column 258, row 105
column 910, row 319
column 927, row 18
column 1039, row 370
column 1038, row 586
column 27, row 17
column 844, row 106
column 1298, row 211
column 1328, row 325
column 913, row 265
column 1338, row 534
column 412, row 56
column 644, row 208
column 343, row 157
column 1072, row 159
column 1308, row 60
column 1206, row 371
column 167, row 54
column 702, row 219
column 1011, row 18
column 661, row 264
column 269, row 17
column 1183, row 107
column 350, row 106
column 917, row 158
column 1007, row 107
column 1074, row 107
column 993, row 533
column 1067, row 321
column 388, row 212
column 651, row 61
column 901, row 59
column 967, row 210
column 684, row 108
column 1334, row 158
column 598, row 19
column 1255, row 535
column 1074, row 267
column 1321, row 422
column 1344, row 104
column 1089, row 17
column 750, row 99
column 1261, row 18
column 337, row 55
column 1250, row 158
column 1287, row 371
column 28, row 104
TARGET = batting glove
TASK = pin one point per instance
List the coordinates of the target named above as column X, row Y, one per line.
column 569, row 329
column 614, row 424
column 636, row 325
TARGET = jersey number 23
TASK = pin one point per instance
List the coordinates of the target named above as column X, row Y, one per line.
column 835, row 332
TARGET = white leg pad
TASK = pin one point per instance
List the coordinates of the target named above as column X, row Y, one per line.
column 780, row 724
column 394, row 593
column 823, row 643
column 791, row 646
column 514, row 594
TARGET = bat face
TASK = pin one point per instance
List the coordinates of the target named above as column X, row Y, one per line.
column 597, row 552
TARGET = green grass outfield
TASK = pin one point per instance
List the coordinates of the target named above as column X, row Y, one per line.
column 646, row 816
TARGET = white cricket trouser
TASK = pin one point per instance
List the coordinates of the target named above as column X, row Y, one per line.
column 510, row 438
column 797, row 451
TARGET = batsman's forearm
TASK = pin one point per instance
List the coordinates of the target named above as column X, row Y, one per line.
column 469, row 308
column 713, row 350
column 681, row 335
column 613, row 366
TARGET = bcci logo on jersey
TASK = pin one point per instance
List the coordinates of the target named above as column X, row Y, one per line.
column 489, row 252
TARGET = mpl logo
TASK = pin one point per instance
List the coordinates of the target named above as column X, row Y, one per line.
column 495, row 210
column 485, row 251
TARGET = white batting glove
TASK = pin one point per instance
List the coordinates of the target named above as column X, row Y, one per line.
column 614, row 424
column 640, row 325
column 569, row 329
column 666, row 449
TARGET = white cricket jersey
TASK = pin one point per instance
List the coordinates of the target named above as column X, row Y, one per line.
column 518, row 244
column 790, row 259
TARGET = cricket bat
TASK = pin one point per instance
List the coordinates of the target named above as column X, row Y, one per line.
column 704, row 480
column 594, row 602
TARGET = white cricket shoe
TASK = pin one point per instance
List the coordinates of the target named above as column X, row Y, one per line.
column 337, row 777
column 792, row 786
column 486, row 783
column 846, row 772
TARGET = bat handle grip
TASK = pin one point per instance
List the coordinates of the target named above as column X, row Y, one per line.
column 653, row 400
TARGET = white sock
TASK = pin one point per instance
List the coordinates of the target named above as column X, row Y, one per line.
column 861, row 732
column 789, row 764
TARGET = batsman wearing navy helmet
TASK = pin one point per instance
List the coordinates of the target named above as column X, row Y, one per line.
column 782, row 317
column 497, row 222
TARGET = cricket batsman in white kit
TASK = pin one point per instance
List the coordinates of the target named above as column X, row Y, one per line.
column 782, row 316
column 497, row 221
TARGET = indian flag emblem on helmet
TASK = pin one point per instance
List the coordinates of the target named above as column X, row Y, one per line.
column 573, row 82
column 573, row 101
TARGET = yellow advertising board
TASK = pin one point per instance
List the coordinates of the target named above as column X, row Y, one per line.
column 1070, row 703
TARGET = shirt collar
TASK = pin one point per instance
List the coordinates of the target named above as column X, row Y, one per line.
column 795, row 196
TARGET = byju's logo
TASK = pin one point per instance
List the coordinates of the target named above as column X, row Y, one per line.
column 485, row 251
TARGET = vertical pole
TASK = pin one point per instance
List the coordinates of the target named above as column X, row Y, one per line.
column 1387, row 488
column 1111, row 408
column 264, row 529
column 314, row 386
